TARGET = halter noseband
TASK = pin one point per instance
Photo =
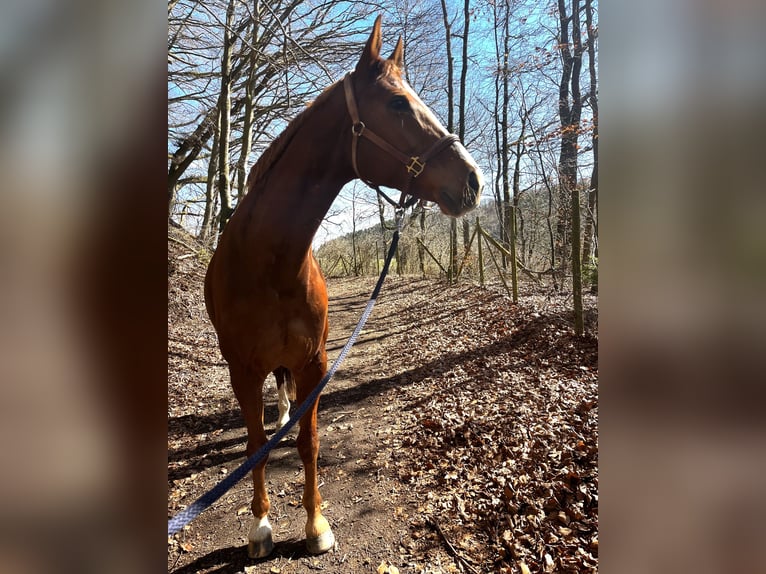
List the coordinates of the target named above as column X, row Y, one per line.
column 414, row 164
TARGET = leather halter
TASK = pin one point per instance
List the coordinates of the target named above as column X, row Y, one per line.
column 413, row 164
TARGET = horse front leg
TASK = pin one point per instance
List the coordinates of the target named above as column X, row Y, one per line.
column 248, row 388
column 319, row 536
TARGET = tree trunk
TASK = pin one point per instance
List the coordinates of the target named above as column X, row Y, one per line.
column 570, row 126
column 171, row 201
column 514, row 211
column 464, row 70
column 450, row 67
column 569, row 115
column 382, row 216
column 481, row 253
column 224, row 183
column 452, row 250
column 576, row 269
column 461, row 109
column 499, row 79
column 518, row 152
column 452, row 267
column 508, row 215
column 206, row 229
column 549, row 214
column 591, row 228
column 421, row 250
column 249, row 115
column 551, row 237
column 354, row 257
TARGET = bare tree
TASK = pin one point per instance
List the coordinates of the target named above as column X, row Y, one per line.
column 248, row 116
column 569, row 113
column 282, row 54
column 461, row 102
column 206, row 229
column 224, row 111
column 450, row 127
column 591, row 221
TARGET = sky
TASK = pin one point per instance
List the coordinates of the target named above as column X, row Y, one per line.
column 481, row 52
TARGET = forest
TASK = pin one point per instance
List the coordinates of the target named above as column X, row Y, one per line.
column 481, row 359
column 515, row 80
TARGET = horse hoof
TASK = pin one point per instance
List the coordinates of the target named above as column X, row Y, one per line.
column 260, row 549
column 321, row 543
column 260, row 543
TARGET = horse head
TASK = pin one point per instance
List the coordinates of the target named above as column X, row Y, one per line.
column 398, row 141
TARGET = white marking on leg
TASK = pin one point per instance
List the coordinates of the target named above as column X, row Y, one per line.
column 321, row 543
column 284, row 407
column 259, row 538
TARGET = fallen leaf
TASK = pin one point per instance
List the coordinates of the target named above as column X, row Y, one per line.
column 502, row 441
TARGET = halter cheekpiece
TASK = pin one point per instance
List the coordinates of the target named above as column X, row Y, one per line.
column 413, row 164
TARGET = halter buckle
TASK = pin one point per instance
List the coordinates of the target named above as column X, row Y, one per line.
column 358, row 128
column 415, row 167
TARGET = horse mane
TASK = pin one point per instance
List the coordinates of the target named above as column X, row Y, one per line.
column 277, row 147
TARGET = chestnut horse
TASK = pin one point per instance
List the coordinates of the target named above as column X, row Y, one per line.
column 264, row 291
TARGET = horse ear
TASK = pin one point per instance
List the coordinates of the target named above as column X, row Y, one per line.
column 371, row 54
column 398, row 55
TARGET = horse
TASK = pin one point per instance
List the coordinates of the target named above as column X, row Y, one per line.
column 264, row 290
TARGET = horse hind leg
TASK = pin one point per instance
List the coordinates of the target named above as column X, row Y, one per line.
column 248, row 388
column 286, row 391
column 319, row 536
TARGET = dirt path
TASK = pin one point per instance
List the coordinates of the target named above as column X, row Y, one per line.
column 364, row 503
column 461, row 434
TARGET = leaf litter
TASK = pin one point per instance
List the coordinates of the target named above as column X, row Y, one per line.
column 482, row 433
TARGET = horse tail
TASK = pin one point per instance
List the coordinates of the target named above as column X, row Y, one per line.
column 285, row 377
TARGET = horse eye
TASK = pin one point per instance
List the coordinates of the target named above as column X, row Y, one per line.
column 400, row 104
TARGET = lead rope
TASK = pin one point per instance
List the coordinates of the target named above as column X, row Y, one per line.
column 184, row 517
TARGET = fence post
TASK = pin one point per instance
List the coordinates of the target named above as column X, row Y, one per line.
column 487, row 238
column 432, row 256
column 467, row 252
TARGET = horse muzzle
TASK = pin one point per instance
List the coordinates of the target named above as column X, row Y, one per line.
column 458, row 202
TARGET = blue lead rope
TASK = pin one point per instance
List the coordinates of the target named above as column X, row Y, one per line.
column 176, row 523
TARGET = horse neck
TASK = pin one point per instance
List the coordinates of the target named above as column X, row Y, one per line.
column 286, row 206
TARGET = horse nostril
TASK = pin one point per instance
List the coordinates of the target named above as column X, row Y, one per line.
column 473, row 182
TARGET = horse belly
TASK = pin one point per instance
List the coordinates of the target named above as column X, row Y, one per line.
column 270, row 338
